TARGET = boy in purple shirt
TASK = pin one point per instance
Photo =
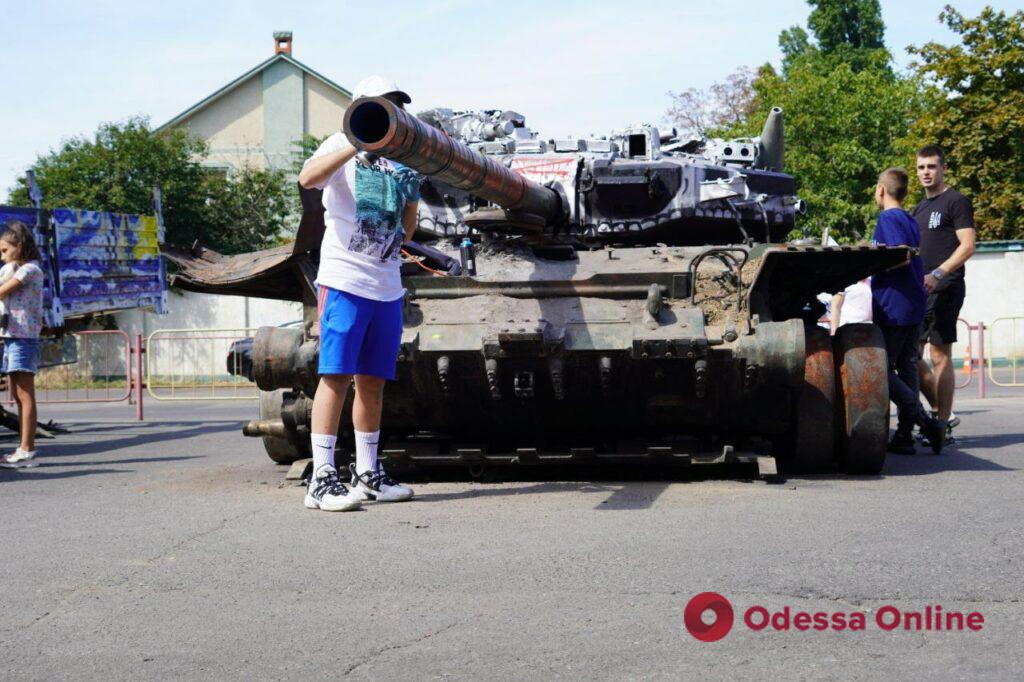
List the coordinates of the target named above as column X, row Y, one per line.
column 898, row 304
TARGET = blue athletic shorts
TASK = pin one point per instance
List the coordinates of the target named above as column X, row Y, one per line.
column 20, row 355
column 358, row 335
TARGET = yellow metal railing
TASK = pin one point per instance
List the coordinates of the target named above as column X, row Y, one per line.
column 199, row 364
column 1014, row 352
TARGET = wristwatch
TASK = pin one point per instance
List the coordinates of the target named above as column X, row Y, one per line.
column 937, row 273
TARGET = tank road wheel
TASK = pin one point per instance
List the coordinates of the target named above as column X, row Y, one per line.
column 278, row 449
column 862, row 398
column 814, row 431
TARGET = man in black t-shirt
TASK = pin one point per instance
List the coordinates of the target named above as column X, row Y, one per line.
column 946, row 220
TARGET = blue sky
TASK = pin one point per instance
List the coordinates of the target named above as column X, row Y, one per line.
column 572, row 68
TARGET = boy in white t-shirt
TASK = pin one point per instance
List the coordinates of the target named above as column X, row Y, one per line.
column 370, row 212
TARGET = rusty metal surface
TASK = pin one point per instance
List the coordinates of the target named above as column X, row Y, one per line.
column 814, row 435
column 862, row 398
column 273, row 273
column 280, row 359
column 281, row 425
column 377, row 125
column 776, row 351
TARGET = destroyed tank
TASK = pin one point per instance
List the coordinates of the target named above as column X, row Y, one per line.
column 633, row 299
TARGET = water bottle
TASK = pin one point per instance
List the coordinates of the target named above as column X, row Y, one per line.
column 467, row 257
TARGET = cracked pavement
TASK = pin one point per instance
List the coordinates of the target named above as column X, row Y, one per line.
column 174, row 548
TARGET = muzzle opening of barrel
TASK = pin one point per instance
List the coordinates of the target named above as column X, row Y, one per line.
column 369, row 122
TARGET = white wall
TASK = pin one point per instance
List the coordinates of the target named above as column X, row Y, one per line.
column 188, row 310
column 995, row 288
column 198, row 353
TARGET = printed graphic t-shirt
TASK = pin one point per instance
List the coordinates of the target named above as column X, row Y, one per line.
column 360, row 253
column 25, row 306
column 899, row 295
column 938, row 219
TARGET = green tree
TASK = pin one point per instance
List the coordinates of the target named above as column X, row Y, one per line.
column 794, row 42
column 844, row 24
column 302, row 149
column 118, row 167
column 846, row 111
column 843, row 127
column 252, row 209
column 847, row 32
column 976, row 114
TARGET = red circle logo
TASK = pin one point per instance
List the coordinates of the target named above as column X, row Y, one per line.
column 717, row 604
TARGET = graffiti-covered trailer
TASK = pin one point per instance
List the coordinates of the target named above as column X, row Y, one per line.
column 94, row 262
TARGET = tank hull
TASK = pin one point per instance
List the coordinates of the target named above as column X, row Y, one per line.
column 616, row 354
column 594, row 325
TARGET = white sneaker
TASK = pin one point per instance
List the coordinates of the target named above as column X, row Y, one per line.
column 326, row 491
column 19, row 459
column 377, row 485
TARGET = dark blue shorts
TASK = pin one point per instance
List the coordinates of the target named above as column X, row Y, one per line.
column 358, row 335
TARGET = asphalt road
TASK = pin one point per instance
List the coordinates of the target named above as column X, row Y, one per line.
column 175, row 549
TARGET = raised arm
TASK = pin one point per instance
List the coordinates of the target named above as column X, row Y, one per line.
column 319, row 169
column 9, row 287
column 835, row 311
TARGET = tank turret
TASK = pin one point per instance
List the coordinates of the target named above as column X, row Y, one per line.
column 634, row 185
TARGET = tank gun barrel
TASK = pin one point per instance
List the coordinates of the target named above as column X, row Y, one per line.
column 378, row 126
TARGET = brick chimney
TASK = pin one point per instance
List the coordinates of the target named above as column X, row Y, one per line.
column 283, row 42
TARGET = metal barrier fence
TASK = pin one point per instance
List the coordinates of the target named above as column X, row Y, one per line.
column 102, row 373
column 200, row 364
column 974, row 359
column 1014, row 352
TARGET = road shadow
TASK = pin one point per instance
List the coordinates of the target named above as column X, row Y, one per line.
column 624, row 487
column 167, row 431
column 46, row 463
column 955, row 457
column 639, row 486
column 624, row 496
column 988, row 441
column 40, row 473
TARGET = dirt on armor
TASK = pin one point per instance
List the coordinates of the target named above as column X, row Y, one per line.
column 716, row 287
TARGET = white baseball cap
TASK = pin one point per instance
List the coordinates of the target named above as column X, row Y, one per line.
column 378, row 86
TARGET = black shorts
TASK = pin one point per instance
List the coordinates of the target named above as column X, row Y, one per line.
column 941, row 313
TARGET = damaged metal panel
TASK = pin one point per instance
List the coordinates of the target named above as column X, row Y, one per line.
column 109, row 261
column 95, row 261
column 789, row 277
column 275, row 273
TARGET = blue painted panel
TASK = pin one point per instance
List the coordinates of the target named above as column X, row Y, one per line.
column 109, row 261
column 96, row 261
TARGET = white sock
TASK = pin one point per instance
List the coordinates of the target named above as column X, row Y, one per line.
column 323, row 450
column 366, row 451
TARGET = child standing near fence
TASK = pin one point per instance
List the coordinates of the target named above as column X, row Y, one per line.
column 22, row 293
